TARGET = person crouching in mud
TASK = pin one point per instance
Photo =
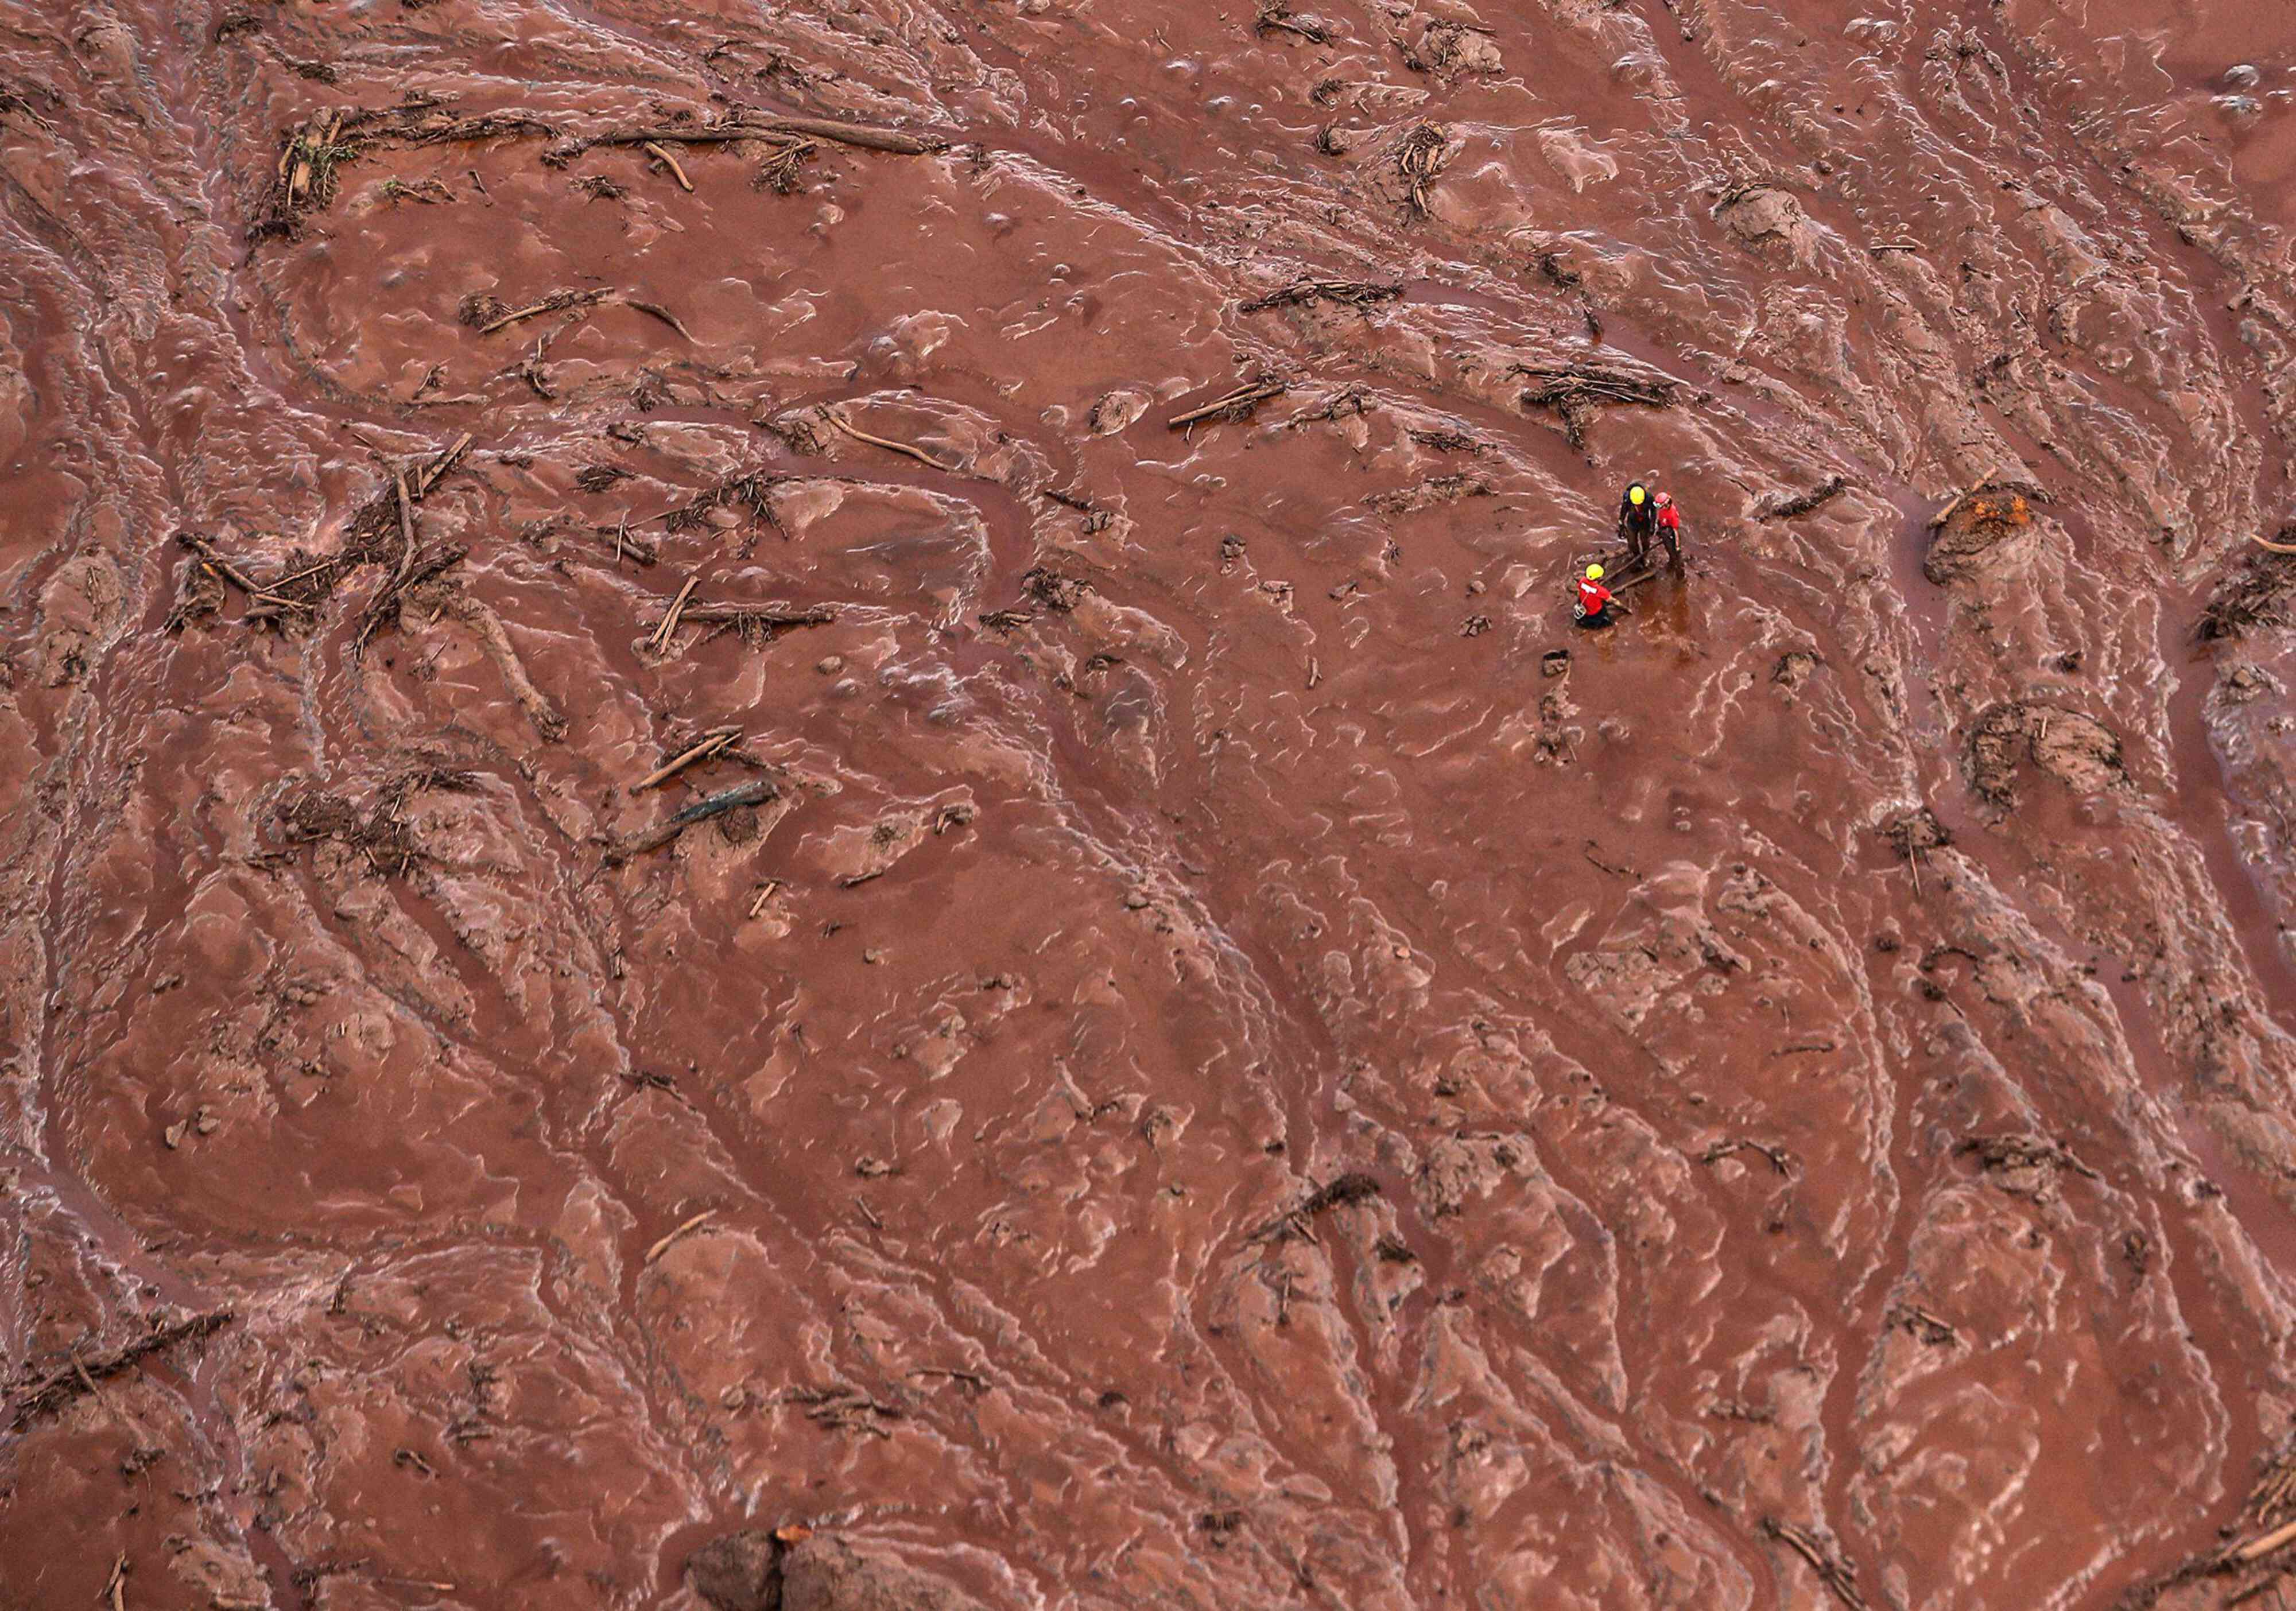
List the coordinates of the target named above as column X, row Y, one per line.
column 1593, row 606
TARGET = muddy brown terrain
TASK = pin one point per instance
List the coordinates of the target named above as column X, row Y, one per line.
column 800, row 811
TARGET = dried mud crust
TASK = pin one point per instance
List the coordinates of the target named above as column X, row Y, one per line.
column 796, row 807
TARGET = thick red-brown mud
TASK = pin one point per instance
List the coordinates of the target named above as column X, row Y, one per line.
column 1196, row 1044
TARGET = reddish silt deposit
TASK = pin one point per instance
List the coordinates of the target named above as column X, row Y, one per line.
column 1178, row 1037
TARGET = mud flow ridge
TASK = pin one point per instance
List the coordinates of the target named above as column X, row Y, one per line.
column 799, row 810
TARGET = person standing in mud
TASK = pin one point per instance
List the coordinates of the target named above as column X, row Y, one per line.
column 1638, row 522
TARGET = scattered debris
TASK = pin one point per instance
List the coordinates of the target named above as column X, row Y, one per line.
column 1353, row 1187
column 1973, row 523
column 1276, row 16
column 845, row 1408
column 481, row 311
column 304, row 180
column 1913, row 835
column 759, row 624
column 415, row 570
column 382, row 833
column 218, row 565
column 2082, row 754
column 781, row 172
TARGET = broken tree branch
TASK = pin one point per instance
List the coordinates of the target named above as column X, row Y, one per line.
column 440, row 465
column 662, row 633
column 1234, row 406
column 695, row 1224
column 754, row 793
column 548, row 304
column 903, row 448
column 771, row 617
column 654, row 148
column 662, row 314
column 717, row 738
column 897, row 142
column 231, row 573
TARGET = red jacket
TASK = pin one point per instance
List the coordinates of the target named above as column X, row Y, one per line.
column 1592, row 596
column 1669, row 518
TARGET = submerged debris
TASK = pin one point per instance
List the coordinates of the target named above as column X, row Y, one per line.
column 1354, row 293
column 1802, row 503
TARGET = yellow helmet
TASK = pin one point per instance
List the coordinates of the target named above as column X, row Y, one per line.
column 1593, row 573
column 1635, row 494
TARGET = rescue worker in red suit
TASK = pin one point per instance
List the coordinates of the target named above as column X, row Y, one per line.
column 1593, row 605
column 1670, row 528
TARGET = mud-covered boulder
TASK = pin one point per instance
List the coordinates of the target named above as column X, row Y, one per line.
column 828, row 1574
column 738, row 1571
column 1976, row 531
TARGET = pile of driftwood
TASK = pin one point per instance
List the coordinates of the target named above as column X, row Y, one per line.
column 313, row 150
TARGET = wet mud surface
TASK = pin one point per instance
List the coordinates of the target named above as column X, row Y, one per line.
column 799, row 808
